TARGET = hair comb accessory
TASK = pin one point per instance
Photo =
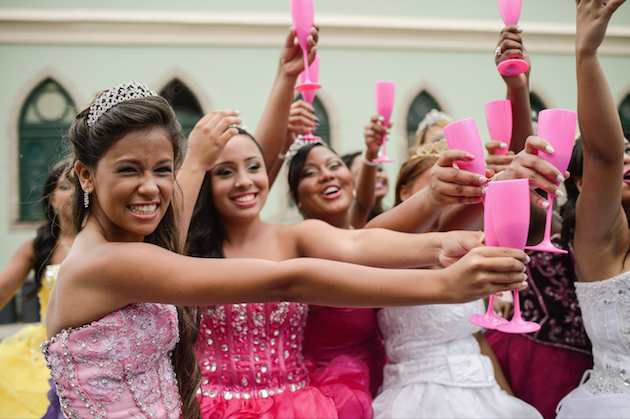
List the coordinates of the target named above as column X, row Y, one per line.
column 242, row 127
column 298, row 144
column 432, row 118
column 115, row 95
column 434, row 149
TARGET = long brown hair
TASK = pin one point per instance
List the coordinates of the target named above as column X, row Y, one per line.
column 88, row 144
column 412, row 170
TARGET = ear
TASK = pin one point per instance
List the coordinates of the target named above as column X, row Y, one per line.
column 85, row 176
column 405, row 192
column 578, row 183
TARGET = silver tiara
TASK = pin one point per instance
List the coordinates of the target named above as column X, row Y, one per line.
column 297, row 145
column 116, row 95
column 432, row 118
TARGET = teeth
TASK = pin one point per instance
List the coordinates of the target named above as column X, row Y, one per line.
column 245, row 198
column 331, row 189
column 143, row 209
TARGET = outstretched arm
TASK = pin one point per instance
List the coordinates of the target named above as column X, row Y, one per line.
column 601, row 247
column 13, row 276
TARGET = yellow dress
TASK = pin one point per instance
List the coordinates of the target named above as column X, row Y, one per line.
column 23, row 373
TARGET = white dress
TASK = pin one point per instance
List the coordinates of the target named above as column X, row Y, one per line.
column 605, row 390
column 437, row 369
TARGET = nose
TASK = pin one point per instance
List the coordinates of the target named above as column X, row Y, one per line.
column 242, row 181
column 325, row 174
column 148, row 187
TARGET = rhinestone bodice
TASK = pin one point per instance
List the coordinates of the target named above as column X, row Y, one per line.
column 118, row 366
column 606, row 313
column 252, row 350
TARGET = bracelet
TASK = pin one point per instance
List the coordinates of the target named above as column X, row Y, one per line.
column 496, row 176
column 366, row 161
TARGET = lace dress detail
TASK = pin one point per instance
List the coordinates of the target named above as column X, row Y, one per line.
column 118, row 366
column 252, row 366
column 437, row 368
column 605, row 390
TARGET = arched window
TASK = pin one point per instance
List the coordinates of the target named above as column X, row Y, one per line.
column 624, row 114
column 421, row 105
column 44, row 120
column 537, row 105
column 184, row 103
column 323, row 131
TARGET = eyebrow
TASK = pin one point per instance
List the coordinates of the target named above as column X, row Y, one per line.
column 231, row 162
column 136, row 161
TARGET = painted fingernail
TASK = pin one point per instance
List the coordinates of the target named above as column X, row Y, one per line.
column 549, row 149
column 381, row 118
column 519, row 29
column 483, row 179
column 528, row 259
column 470, row 156
column 483, row 190
column 558, row 193
column 238, row 112
column 387, row 130
column 317, row 124
column 559, row 179
column 502, row 145
column 545, row 204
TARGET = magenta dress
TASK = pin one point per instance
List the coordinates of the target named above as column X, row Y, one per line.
column 252, row 366
column 118, row 366
column 333, row 332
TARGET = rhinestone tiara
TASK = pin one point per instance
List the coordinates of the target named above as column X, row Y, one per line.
column 297, row 145
column 432, row 118
column 116, row 95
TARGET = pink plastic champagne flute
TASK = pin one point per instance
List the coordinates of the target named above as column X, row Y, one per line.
column 384, row 96
column 464, row 135
column 489, row 320
column 510, row 12
column 309, row 95
column 303, row 15
column 557, row 126
column 499, row 119
column 509, row 200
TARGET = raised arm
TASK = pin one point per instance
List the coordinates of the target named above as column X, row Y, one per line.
column 205, row 143
column 365, row 182
column 270, row 132
column 511, row 46
column 13, row 276
column 601, row 235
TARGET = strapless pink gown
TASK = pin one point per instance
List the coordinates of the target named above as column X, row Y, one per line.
column 118, row 366
column 333, row 332
column 252, row 365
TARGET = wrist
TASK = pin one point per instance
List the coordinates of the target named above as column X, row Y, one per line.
column 495, row 177
column 367, row 157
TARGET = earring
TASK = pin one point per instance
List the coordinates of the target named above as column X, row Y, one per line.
column 86, row 198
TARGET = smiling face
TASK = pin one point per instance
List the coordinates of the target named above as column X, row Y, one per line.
column 239, row 180
column 625, row 187
column 382, row 180
column 131, row 185
column 325, row 186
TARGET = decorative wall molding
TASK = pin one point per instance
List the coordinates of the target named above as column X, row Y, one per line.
column 100, row 27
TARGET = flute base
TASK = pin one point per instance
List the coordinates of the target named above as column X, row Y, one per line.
column 487, row 321
column 518, row 326
column 305, row 87
column 513, row 67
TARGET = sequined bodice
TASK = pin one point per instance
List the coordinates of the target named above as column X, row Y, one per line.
column 606, row 313
column 48, row 279
column 252, row 350
column 118, row 366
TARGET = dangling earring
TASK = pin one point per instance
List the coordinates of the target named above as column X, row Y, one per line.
column 86, row 198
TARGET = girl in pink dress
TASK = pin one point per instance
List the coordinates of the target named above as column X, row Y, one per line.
column 117, row 348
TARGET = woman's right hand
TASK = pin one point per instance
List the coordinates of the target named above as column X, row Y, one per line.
column 209, row 137
column 541, row 174
column 483, row 271
column 496, row 162
column 373, row 134
column 302, row 119
column 510, row 46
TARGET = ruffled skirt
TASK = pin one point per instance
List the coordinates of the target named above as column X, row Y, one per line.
column 23, row 374
column 339, row 390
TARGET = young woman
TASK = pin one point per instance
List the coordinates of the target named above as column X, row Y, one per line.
column 441, row 365
column 23, row 374
column 111, row 328
column 602, row 237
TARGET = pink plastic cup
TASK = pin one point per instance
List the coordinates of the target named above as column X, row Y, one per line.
column 464, row 135
column 499, row 120
column 313, row 69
